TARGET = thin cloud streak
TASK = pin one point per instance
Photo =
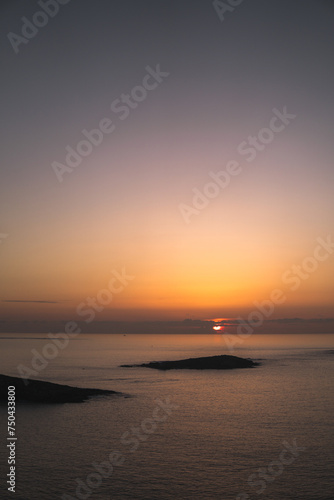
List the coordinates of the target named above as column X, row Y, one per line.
column 34, row 301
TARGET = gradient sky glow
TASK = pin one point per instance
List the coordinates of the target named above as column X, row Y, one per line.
column 120, row 206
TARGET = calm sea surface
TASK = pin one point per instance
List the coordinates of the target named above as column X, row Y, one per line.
column 261, row 433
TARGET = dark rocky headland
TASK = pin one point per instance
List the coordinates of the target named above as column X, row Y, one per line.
column 223, row 362
column 37, row 391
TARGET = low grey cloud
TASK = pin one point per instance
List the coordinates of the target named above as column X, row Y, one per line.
column 299, row 320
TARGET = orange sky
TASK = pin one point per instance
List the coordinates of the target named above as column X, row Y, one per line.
column 120, row 208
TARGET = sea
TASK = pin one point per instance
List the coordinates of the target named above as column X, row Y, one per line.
column 257, row 433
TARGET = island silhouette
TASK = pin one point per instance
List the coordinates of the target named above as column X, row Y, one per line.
column 222, row 362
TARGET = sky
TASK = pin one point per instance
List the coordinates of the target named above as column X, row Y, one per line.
column 185, row 93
